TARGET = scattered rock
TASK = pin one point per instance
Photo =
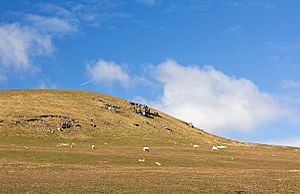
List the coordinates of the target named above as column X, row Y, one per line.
column 189, row 124
column 32, row 120
column 49, row 122
column 112, row 107
column 142, row 109
column 66, row 124
column 169, row 130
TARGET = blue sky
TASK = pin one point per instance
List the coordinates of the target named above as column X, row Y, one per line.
column 231, row 67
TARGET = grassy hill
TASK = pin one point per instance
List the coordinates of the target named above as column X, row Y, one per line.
column 46, row 138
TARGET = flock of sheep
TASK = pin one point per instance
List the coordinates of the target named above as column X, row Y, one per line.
column 145, row 149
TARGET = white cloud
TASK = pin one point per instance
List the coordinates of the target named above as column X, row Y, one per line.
column 19, row 44
column 51, row 25
column 213, row 100
column 107, row 72
column 147, row 2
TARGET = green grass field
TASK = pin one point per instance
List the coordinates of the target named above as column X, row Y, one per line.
column 37, row 157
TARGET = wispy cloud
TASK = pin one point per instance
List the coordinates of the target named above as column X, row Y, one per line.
column 87, row 12
column 3, row 78
column 198, row 7
column 253, row 3
column 235, row 29
column 289, row 84
column 51, row 25
column 285, row 56
column 46, row 85
column 20, row 44
column 147, row 2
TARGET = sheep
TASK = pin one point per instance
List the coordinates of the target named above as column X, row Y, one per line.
column 146, row 149
column 196, row 146
column 218, row 147
column 142, row 160
column 221, row 147
column 214, row 148
column 157, row 163
column 63, row 145
column 93, row 147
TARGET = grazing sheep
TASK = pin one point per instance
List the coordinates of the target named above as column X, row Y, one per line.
column 157, row 163
column 142, row 160
column 196, row 146
column 214, row 148
column 146, row 149
column 63, row 145
column 93, row 147
column 221, row 147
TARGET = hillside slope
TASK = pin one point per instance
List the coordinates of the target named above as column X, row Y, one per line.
column 99, row 118
column 46, row 138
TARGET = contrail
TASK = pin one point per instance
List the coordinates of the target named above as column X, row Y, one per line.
column 86, row 83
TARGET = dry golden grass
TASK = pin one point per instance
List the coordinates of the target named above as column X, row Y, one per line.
column 35, row 160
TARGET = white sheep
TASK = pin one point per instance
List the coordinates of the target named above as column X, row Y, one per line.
column 214, row 148
column 63, row 145
column 196, row 146
column 146, row 149
column 158, row 164
column 93, row 147
column 221, row 147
